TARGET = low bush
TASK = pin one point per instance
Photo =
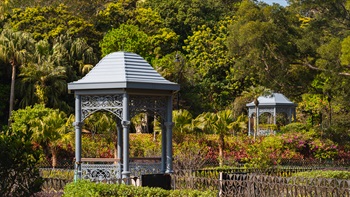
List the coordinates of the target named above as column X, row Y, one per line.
column 85, row 188
column 57, row 173
column 334, row 174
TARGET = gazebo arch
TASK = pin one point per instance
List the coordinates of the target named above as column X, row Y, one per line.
column 124, row 84
column 273, row 104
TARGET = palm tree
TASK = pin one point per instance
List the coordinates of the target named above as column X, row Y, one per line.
column 15, row 48
column 46, row 77
column 253, row 93
column 182, row 121
column 75, row 54
column 222, row 127
column 49, row 131
column 220, row 123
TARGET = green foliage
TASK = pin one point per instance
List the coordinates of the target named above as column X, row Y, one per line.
column 126, row 38
column 295, row 127
column 264, row 154
column 185, row 16
column 57, row 174
column 212, row 67
column 334, row 174
column 50, row 22
column 86, row 188
column 131, row 38
column 143, row 145
column 44, row 126
column 18, row 159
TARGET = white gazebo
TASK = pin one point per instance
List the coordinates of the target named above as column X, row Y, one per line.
column 272, row 104
column 124, row 84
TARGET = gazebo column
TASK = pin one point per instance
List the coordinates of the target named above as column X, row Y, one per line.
column 249, row 117
column 169, row 134
column 126, row 126
column 78, row 127
column 164, row 149
column 256, row 129
column 119, row 146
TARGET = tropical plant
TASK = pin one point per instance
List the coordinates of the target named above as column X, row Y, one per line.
column 47, row 127
column 220, row 123
column 43, row 76
column 15, row 48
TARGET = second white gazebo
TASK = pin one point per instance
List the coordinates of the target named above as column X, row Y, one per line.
column 272, row 104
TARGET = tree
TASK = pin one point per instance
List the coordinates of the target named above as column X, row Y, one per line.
column 18, row 159
column 131, row 38
column 161, row 40
column 262, row 43
column 15, row 48
column 185, row 16
column 254, row 93
column 49, row 131
column 115, row 14
column 182, row 121
column 46, row 125
column 220, row 123
column 214, row 72
column 48, row 22
column 126, row 38
column 46, row 77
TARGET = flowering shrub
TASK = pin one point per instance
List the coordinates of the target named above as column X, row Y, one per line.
column 308, row 145
column 323, row 149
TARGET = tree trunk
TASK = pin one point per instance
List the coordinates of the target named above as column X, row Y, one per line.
column 115, row 151
column 54, row 157
column 12, row 90
column 221, row 149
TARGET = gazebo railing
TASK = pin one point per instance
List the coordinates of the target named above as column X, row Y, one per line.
column 109, row 170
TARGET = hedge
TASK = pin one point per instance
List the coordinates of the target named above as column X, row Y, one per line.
column 84, row 188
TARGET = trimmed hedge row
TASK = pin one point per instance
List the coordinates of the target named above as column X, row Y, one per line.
column 85, row 188
column 334, row 174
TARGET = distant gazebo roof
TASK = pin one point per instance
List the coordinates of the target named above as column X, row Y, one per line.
column 121, row 70
column 276, row 99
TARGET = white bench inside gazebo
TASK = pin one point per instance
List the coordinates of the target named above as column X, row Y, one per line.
column 124, row 84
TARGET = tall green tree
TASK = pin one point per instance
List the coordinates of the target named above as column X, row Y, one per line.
column 48, row 22
column 262, row 43
column 15, row 49
column 213, row 70
column 44, row 76
column 184, row 17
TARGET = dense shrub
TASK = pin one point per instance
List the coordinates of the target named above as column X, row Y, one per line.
column 57, row 173
column 18, row 159
column 89, row 189
column 295, row 127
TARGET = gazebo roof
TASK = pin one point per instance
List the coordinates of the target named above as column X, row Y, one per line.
column 123, row 70
column 276, row 99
